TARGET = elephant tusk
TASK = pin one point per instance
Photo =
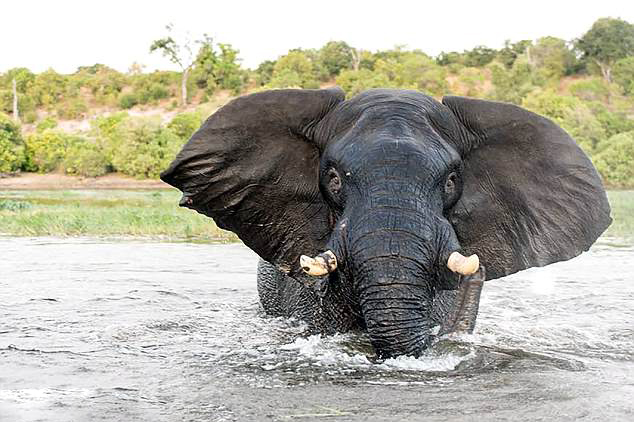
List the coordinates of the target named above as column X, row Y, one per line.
column 462, row 265
column 320, row 265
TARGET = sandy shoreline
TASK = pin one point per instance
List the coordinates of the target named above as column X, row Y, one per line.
column 34, row 181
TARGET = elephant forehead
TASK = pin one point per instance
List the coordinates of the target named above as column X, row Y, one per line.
column 382, row 107
column 392, row 145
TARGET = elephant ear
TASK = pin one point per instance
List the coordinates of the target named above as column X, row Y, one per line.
column 531, row 197
column 253, row 167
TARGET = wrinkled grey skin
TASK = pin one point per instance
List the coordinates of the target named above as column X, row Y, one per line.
column 392, row 182
column 284, row 296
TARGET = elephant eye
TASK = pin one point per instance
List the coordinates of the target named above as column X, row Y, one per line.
column 450, row 184
column 334, row 181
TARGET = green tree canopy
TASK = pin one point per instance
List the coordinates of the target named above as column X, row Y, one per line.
column 336, row 56
column 608, row 40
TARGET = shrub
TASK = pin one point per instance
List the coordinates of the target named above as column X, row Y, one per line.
column 73, row 109
column 624, row 74
column 356, row 81
column 127, row 101
column 108, row 133
column 12, row 155
column 185, row 124
column 613, row 122
column 469, row 82
column 570, row 113
column 29, row 116
column 511, row 85
column 296, row 69
column 50, row 87
column 151, row 93
column 46, row 150
column 85, row 158
column 591, row 89
column 46, row 123
column 614, row 162
column 148, row 149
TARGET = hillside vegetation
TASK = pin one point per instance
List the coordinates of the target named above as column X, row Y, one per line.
column 585, row 85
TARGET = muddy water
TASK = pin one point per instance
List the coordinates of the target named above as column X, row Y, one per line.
column 137, row 331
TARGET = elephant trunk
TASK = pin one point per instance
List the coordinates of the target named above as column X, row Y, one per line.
column 394, row 254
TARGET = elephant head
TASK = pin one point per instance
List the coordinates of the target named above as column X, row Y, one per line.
column 382, row 189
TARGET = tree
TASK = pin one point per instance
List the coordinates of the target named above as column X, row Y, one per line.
column 337, row 56
column 511, row 85
column 11, row 145
column 479, row 56
column 623, row 73
column 614, row 162
column 452, row 57
column 180, row 54
column 264, row 72
column 16, row 115
column 512, row 51
column 607, row 41
column 551, row 57
column 296, row 69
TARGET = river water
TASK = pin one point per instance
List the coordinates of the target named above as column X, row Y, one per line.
column 125, row 330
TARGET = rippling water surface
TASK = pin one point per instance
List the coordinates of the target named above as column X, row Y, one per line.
column 126, row 330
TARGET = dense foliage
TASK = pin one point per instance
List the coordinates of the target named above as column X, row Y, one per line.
column 12, row 154
column 585, row 85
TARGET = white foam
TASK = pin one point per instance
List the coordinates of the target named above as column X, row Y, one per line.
column 443, row 363
column 327, row 351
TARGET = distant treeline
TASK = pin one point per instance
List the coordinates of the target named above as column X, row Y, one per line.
column 586, row 85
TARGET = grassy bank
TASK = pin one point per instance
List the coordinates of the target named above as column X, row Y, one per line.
column 622, row 203
column 155, row 213
column 146, row 213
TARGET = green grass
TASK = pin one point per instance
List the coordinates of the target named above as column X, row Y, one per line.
column 156, row 214
column 622, row 203
column 147, row 213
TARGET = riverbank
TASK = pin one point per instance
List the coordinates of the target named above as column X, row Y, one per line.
column 109, row 212
column 119, row 206
column 53, row 181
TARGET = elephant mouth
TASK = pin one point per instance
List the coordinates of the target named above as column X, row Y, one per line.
column 326, row 263
column 399, row 313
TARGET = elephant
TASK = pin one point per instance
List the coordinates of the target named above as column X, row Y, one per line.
column 386, row 212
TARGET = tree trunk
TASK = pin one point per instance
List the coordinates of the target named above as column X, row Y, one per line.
column 356, row 58
column 529, row 59
column 605, row 71
column 184, row 86
column 16, row 115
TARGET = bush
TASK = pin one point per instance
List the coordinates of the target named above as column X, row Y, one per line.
column 109, row 134
column 12, row 156
column 151, row 93
column 148, row 149
column 570, row 113
column 469, row 82
column 355, row 81
column 615, row 161
column 73, row 109
column 46, row 150
column 511, row 85
column 613, row 122
column 127, row 101
column 623, row 74
column 85, row 158
column 185, row 124
column 592, row 89
column 294, row 70
column 46, row 123
column 264, row 72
